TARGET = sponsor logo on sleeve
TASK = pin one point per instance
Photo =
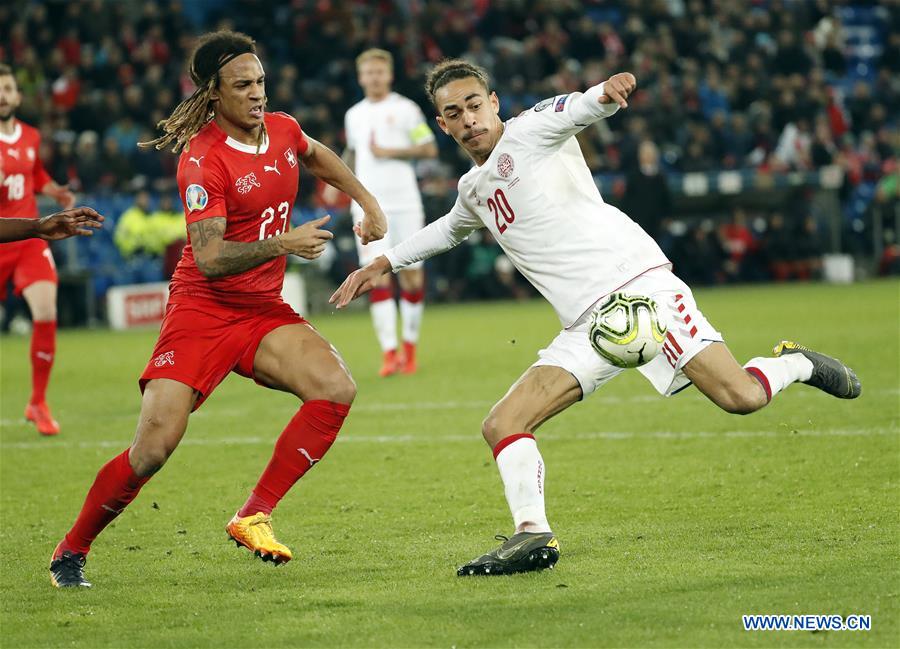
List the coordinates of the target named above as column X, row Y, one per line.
column 561, row 103
column 195, row 197
column 541, row 105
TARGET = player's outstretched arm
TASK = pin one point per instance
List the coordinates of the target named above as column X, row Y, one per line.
column 360, row 282
column 62, row 225
column 217, row 257
column 448, row 231
column 324, row 163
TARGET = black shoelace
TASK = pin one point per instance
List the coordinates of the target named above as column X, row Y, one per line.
column 70, row 566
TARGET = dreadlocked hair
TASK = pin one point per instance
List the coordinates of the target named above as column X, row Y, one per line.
column 450, row 70
column 212, row 52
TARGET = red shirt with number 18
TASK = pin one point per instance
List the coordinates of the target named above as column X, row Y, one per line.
column 22, row 172
column 255, row 192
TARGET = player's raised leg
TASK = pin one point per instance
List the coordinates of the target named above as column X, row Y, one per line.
column 165, row 408
column 742, row 390
column 296, row 359
column 41, row 299
column 539, row 394
column 412, row 307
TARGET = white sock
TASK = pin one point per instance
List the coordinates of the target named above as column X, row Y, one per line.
column 782, row 371
column 411, row 315
column 384, row 317
column 522, row 471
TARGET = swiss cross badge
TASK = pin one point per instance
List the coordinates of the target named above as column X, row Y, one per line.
column 289, row 156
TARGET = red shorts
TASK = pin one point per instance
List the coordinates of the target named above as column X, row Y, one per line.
column 199, row 344
column 25, row 262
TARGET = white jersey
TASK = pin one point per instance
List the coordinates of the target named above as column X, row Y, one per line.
column 536, row 195
column 395, row 122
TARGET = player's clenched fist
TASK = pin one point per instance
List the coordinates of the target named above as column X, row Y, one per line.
column 373, row 226
column 617, row 88
column 309, row 240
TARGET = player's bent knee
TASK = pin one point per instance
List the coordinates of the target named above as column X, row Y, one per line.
column 496, row 427
column 147, row 460
column 338, row 387
column 156, row 439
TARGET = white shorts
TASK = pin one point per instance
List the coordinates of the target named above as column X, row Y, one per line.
column 689, row 333
column 402, row 224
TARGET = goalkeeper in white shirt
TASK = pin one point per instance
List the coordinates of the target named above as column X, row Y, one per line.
column 532, row 189
column 386, row 133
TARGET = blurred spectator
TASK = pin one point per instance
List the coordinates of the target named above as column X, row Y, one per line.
column 158, row 233
column 88, row 163
column 133, row 231
column 647, row 197
column 808, row 264
column 781, row 247
column 741, row 248
column 698, row 259
column 168, row 233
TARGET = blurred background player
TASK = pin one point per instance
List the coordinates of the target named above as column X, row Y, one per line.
column 29, row 264
column 386, row 132
column 238, row 174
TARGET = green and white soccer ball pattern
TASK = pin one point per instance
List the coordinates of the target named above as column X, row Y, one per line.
column 626, row 330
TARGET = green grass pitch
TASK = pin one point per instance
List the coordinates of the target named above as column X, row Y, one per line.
column 674, row 518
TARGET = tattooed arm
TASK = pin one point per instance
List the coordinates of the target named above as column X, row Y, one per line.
column 218, row 257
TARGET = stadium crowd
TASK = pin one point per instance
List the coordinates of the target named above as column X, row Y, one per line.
column 773, row 85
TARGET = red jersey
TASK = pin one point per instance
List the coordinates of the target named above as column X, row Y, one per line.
column 22, row 172
column 221, row 177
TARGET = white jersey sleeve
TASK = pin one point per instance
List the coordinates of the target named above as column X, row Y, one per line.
column 447, row 232
column 556, row 119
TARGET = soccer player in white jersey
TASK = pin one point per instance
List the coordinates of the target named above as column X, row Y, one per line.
column 532, row 189
column 386, row 132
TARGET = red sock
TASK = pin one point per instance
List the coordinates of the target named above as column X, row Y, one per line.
column 413, row 297
column 43, row 348
column 304, row 442
column 115, row 486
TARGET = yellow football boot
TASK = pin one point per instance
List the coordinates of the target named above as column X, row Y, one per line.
column 255, row 533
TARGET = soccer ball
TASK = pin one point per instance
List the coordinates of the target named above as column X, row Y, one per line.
column 626, row 330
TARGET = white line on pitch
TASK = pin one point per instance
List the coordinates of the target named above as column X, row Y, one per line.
column 474, row 437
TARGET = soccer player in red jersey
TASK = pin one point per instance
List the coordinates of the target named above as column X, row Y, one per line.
column 238, row 176
column 29, row 264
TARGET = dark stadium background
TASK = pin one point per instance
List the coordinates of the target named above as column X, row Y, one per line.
column 774, row 122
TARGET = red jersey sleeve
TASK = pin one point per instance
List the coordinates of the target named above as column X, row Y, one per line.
column 299, row 136
column 302, row 142
column 202, row 185
column 41, row 177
